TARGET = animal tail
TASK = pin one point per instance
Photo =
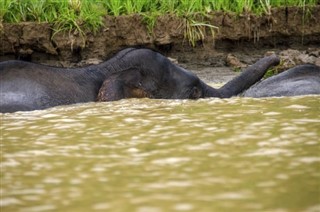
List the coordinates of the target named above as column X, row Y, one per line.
column 249, row 77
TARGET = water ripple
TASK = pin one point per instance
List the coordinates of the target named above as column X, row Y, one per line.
column 237, row 154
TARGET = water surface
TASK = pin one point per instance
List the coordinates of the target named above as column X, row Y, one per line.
column 237, row 154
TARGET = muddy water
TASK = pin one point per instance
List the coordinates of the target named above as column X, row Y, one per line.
column 142, row 155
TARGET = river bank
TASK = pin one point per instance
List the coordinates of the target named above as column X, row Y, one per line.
column 239, row 40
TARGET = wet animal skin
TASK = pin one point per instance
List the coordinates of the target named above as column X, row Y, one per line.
column 131, row 73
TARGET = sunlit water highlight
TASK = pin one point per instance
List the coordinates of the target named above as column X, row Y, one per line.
column 236, row 154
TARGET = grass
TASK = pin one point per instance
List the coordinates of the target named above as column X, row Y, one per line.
column 83, row 16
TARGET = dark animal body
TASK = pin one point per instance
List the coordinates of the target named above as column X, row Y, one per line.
column 300, row 80
column 131, row 73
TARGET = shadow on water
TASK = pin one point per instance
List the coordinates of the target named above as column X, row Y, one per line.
column 237, row 154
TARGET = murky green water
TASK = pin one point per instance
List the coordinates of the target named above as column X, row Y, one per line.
column 145, row 155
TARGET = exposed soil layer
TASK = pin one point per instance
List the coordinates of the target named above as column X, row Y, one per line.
column 239, row 40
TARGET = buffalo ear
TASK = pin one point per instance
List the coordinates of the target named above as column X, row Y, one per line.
column 111, row 90
column 135, row 92
column 196, row 93
column 123, row 86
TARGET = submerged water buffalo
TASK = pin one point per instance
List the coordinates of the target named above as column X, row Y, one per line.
column 300, row 80
column 130, row 73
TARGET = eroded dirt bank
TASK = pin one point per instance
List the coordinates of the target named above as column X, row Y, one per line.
column 239, row 40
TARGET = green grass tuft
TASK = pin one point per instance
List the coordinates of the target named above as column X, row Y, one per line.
column 87, row 15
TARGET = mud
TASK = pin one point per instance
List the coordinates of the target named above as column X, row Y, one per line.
column 292, row 33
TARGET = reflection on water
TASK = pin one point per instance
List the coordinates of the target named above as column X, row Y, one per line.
column 236, row 154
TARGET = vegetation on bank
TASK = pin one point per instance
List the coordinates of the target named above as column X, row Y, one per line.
column 87, row 15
